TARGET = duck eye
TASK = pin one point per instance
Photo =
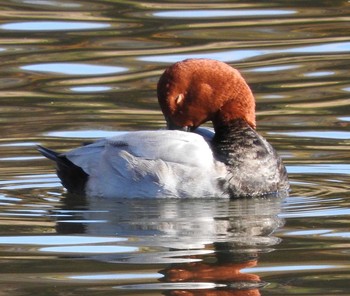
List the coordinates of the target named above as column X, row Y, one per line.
column 179, row 99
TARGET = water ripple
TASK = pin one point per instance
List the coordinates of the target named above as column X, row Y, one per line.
column 56, row 240
column 74, row 69
column 53, row 26
column 222, row 13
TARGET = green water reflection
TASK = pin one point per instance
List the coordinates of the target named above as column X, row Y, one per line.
column 76, row 70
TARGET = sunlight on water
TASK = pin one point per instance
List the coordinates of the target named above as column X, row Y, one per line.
column 238, row 55
column 274, row 68
column 172, row 286
column 221, row 13
column 319, row 74
column 314, row 134
column 224, row 56
column 93, row 134
column 90, row 249
column 332, row 47
column 338, row 235
column 320, row 169
column 74, row 69
column 52, row 26
column 123, row 276
column 53, row 3
column 97, row 88
column 56, row 240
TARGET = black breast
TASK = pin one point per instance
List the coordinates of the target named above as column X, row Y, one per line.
column 254, row 166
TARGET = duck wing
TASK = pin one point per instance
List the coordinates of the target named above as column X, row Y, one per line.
column 148, row 163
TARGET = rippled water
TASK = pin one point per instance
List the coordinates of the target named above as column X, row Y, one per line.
column 73, row 71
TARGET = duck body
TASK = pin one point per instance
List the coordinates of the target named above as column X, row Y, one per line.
column 143, row 164
column 164, row 163
column 233, row 160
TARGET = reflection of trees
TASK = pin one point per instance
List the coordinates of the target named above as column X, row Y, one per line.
column 207, row 240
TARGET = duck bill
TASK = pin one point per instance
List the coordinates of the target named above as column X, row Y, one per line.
column 173, row 126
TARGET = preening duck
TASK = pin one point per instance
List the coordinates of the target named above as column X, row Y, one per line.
column 233, row 161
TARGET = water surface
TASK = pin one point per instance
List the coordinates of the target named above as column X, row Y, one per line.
column 74, row 71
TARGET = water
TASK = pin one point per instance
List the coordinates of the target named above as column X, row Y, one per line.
column 73, row 71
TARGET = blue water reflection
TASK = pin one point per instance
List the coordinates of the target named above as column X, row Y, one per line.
column 240, row 55
column 224, row 56
column 316, row 134
column 90, row 88
column 90, row 249
column 119, row 276
column 71, row 69
column 332, row 168
column 53, row 26
column 43, row 240
column 215, row 13
column 54, row 3
column 74, row 68
column 85, row 134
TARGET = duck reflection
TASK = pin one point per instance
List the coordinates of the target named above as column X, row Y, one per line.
column 199, row 241
column 225, row 270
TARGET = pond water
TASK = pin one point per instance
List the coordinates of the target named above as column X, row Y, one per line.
column 73, row 71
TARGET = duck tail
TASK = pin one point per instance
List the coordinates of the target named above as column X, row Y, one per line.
column 72, row 176
column 50, row 154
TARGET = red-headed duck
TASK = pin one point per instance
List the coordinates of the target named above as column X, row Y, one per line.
column 235, row 161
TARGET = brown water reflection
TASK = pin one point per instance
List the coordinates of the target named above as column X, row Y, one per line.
column 75, row 70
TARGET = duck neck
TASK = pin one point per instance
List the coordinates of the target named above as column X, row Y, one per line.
column 232, row 139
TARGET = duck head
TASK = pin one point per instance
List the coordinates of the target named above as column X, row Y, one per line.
column 194, row 91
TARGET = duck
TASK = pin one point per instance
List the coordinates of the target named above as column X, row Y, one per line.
column 231, row 160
